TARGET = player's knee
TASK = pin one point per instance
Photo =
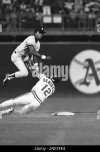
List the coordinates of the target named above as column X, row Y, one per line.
column 25, row 73
column 12, row 58
column 34, row 106
column 30, row 108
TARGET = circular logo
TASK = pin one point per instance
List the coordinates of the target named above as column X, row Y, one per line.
column 84, row 71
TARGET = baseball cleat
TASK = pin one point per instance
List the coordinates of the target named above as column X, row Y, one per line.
column 6, row 79
column 7, row 111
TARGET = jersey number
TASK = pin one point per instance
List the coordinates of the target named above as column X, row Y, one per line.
column 46, row 90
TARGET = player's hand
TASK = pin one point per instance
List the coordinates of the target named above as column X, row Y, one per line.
column 43, row 57
column 46, row 57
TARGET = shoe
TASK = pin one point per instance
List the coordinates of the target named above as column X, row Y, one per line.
column 7, row 111
column 6, row 79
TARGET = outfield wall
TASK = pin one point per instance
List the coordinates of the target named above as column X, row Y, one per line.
column 62, row 54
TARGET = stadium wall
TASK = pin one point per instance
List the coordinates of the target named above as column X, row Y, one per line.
column 62, row 54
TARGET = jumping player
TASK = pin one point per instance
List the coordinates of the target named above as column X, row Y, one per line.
column 27, row 50
column 30, row 101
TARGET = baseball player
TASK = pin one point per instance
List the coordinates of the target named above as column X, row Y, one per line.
column 39, row 93
column 27, row 50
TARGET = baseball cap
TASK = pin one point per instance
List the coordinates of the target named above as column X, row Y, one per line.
column 41, row 30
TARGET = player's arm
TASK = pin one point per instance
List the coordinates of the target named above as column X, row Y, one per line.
column 35, row 53
column 30, row 44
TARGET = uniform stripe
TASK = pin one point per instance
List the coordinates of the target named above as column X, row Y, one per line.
column 36, row 96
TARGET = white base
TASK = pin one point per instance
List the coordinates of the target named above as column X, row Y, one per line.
column 63, row 114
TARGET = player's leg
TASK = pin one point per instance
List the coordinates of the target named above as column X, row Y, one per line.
column 23, row 72
column 8, row 77
column 6, row 112
column 20, row 100
column 6, row 103
column 19, row 63
column 29, row 108
column 29, row 101
column 25, row 110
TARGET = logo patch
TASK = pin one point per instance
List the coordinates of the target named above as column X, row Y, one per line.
column 84, row 71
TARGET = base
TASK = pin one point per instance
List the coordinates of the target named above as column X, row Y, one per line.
column 63, row 114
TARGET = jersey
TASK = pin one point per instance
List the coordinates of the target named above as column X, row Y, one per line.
column 43, row 89
column 29, row 41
